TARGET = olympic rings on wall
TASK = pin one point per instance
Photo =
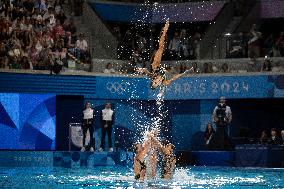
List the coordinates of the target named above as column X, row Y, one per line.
column 116, row 87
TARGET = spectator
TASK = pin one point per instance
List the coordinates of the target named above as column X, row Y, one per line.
column 224, row 68
column 207, row 68
column 238, row 46
column 254, row 42
column 174, row 46
column 182, row 68
column 81, row 46
column 194, row 68
column 274, row 139
column 253, row 65
column 195, row 46
column 282, row 137
column 109, row 69
column 184, row 44
column 280, row 44
column 209, row 131
column 266, row 66
column 264, row 137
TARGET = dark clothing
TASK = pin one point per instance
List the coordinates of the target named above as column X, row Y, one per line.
column 220, row 139
column 208, row 134
column 88, row 124
column 106, row 130
column 275, row 141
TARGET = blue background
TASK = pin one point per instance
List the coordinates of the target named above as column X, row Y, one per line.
column 27, row 121
column 256, row 101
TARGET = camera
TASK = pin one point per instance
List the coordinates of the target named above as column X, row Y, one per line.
column 221, row 112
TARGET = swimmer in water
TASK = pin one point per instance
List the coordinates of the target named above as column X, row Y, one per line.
column 169, row 159
column 158, row 73
column 139, row 164
column 152, row 157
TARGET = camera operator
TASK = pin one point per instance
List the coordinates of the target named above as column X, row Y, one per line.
column 222, row 116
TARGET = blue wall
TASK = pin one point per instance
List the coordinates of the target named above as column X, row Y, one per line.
column 188, row 105
column 27, row 121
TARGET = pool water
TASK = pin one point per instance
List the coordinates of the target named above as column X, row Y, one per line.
column 122, row 177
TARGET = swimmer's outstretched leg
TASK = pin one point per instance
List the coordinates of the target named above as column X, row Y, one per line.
column 158, row 55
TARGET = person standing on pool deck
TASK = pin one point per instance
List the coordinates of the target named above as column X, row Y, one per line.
column 88, row 124
column 107, row 121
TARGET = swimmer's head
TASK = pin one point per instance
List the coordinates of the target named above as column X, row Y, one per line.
column 156, row 82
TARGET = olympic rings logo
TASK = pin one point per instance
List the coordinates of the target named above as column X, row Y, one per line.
column 116, row 87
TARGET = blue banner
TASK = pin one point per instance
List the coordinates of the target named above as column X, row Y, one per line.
column 259, row 86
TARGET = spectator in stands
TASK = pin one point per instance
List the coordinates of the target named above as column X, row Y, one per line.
column 184, row 44
column 195, row 46
column 266, row 66
column 280, row 44
column 109, row 69
column 253, row 65
column 254, row 41
column 238, row 46
column 137, row 59
column 282, row 137
column 207, row 68
column 264, row 137
column 174, row 47
column 209, row 131
column 194, row 68
column 61, row 17
column 224, row 68
column 274, row 139
column 141, row 46
column 81, row 46
column 182, row 68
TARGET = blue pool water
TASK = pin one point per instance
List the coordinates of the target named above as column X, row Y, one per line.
column 121, row 177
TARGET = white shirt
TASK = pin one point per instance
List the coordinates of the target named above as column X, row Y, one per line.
column 107, row 114
column 88, row 113
column 82, row 44
column 227, row 111
column 109, row 71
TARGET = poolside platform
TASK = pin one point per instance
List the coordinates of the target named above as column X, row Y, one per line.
column 67, row 159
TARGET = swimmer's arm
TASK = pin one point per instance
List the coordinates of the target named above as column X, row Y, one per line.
column 158, row 55
column 169, row 81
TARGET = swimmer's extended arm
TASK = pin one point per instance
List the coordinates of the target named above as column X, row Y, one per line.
column 158, row 55
column 167, row 82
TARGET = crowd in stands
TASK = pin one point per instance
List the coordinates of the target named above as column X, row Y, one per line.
column 274, row 138
column 36, row 34
column 253, row 44
column 138, row 47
